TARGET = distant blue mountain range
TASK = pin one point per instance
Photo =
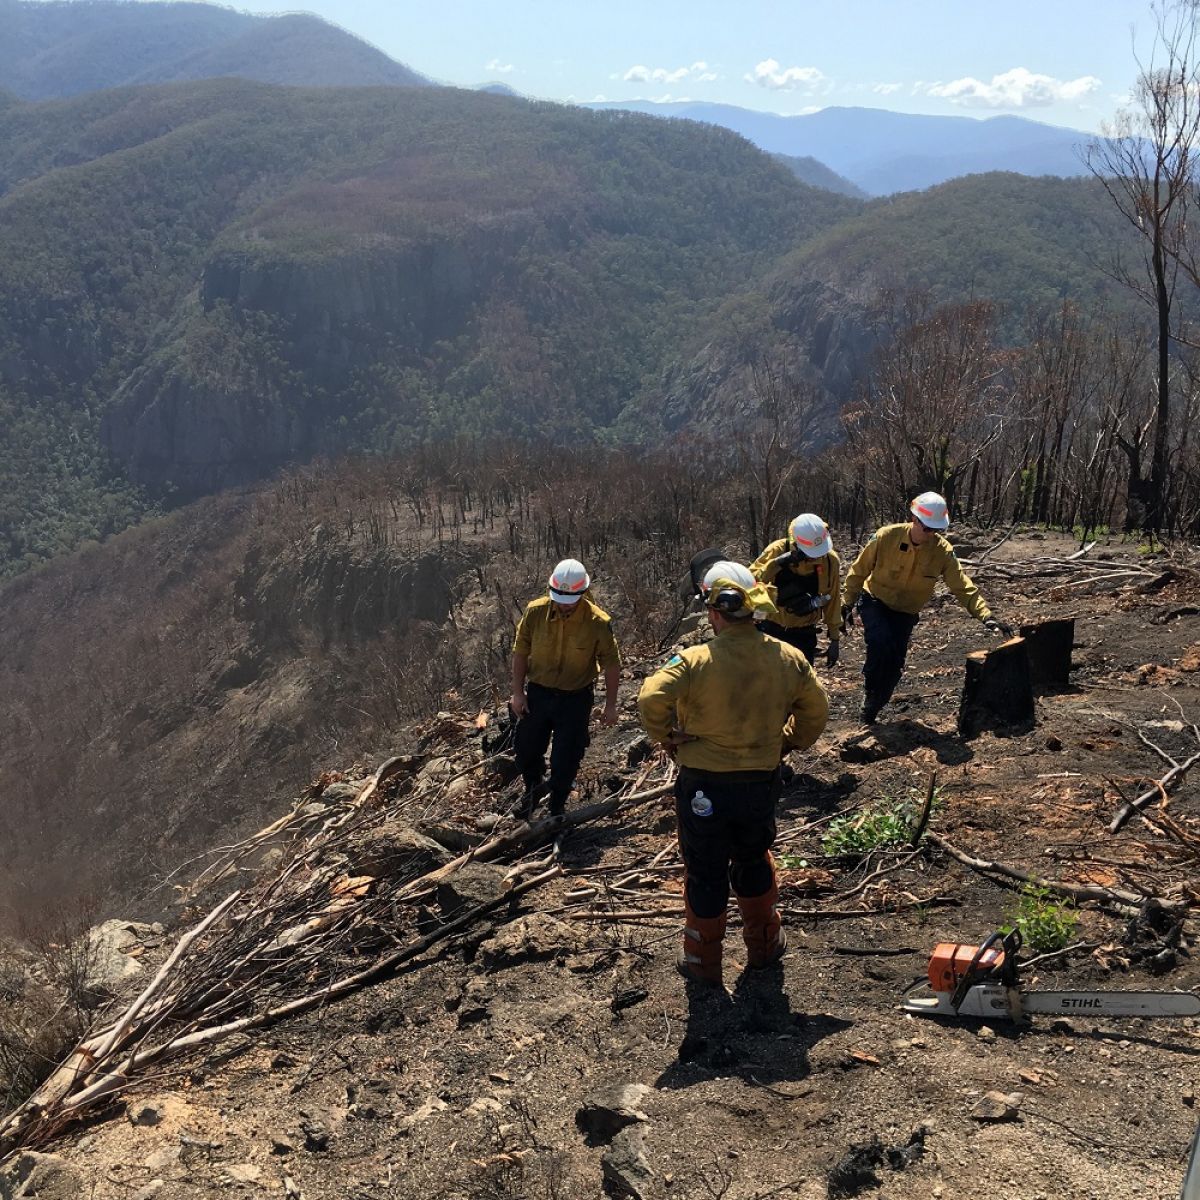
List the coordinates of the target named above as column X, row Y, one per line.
column 883, row 152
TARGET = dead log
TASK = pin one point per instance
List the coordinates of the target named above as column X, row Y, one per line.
column 1115, row 897
column 1048, row 646
column 1158, row 791
column 997, row 693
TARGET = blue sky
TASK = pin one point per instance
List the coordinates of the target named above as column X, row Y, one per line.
column 1066, row 62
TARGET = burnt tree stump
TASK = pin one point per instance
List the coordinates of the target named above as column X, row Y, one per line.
column 1048, row 645
column 997, row 692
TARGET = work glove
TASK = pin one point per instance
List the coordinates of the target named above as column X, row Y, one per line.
column 994, row 626
column 848, row 617
column 832, row 653
column 807, row 604
column 785, row 559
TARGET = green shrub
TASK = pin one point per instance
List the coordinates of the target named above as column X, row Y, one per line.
column 886, row 823
column 1046, row 921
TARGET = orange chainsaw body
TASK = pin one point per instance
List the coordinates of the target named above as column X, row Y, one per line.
column 951, row 961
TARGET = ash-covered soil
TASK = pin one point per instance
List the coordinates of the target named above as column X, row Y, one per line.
column 555, row 1054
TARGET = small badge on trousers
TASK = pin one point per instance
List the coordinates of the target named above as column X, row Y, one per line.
column 701, row 805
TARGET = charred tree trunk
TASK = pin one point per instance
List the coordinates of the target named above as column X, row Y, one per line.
column 1048, row 646
column 997, row 693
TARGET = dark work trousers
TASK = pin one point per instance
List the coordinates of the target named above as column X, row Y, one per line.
column 887, row 634
column 805, row 640
column 563, row 716
column 726, row 826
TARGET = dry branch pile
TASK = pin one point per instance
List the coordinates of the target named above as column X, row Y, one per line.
column 315, row 927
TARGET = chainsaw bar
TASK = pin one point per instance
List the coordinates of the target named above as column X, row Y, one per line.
column 994, row 1000
column 983, row 981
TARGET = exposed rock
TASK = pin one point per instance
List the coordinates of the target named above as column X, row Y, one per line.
column 395, row 850
column 345, row 789
column 45, row 1176
column 162, row 1159
column 626, row 1169
column 109, row 961
column 997, row 1106
column 469, row 886
column 863, row 748
column 244, row 1172
column 316, row 1133
column 151, row 1189
column 282, row 1144
column 606, row 1112
column 144, row 1114
column 527, row 939
column 473, row 1003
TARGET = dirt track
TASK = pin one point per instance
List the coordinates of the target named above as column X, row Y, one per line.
column 463, row 1077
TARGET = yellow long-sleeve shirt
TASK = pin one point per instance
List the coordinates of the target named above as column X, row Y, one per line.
column 566, row 653
column 890, row 568
column 828, row 572
column 743, row 698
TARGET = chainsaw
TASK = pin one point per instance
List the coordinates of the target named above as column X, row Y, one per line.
column 983, row 981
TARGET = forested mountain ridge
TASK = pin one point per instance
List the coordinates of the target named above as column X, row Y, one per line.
column 1023, row 243
column 884, row 152
column 1024, row 246
column 228, row 276
column 57, row 49
column 816, row 174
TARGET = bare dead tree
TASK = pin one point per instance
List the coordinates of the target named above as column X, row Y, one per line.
column 1145, row 161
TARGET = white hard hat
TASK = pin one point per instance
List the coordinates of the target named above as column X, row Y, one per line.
column 726, row 588
column 810, row 535
column 734, row 572
column 568, row 581
column 930, row 509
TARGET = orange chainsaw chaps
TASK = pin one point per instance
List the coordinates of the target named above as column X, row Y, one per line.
column 950, row 961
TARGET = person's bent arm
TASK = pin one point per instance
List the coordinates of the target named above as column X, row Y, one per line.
column 809, row 714
column 964, row 589
column 860, row 572
column 656, row 701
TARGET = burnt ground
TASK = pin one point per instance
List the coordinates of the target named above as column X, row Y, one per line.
column 465, row 1075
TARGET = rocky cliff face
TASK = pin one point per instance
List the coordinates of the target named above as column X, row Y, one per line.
column 818, row 336
column 266, row 367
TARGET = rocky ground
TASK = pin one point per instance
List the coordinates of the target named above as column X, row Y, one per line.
column 552, row 1051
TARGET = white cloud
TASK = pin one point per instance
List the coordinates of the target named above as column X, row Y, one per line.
column 698, row 72
column 499, row 67
column 886, row 89
column 770, row 74
column 1018, row 88
column 599, row 98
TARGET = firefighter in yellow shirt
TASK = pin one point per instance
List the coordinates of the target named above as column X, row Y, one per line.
column 563, row 643
column 891, row 580
column 728, row 710
column 806, row 573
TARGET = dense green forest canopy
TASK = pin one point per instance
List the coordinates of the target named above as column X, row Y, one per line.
column 202, row 282
column 1026, row 244
column 375, row 266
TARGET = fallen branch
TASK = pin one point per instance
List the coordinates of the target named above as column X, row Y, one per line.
column 1161, row 786
column 1074, row 891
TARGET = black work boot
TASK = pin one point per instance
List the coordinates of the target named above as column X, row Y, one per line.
column 558, row 805
column 869, row 712
column 534, row 793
